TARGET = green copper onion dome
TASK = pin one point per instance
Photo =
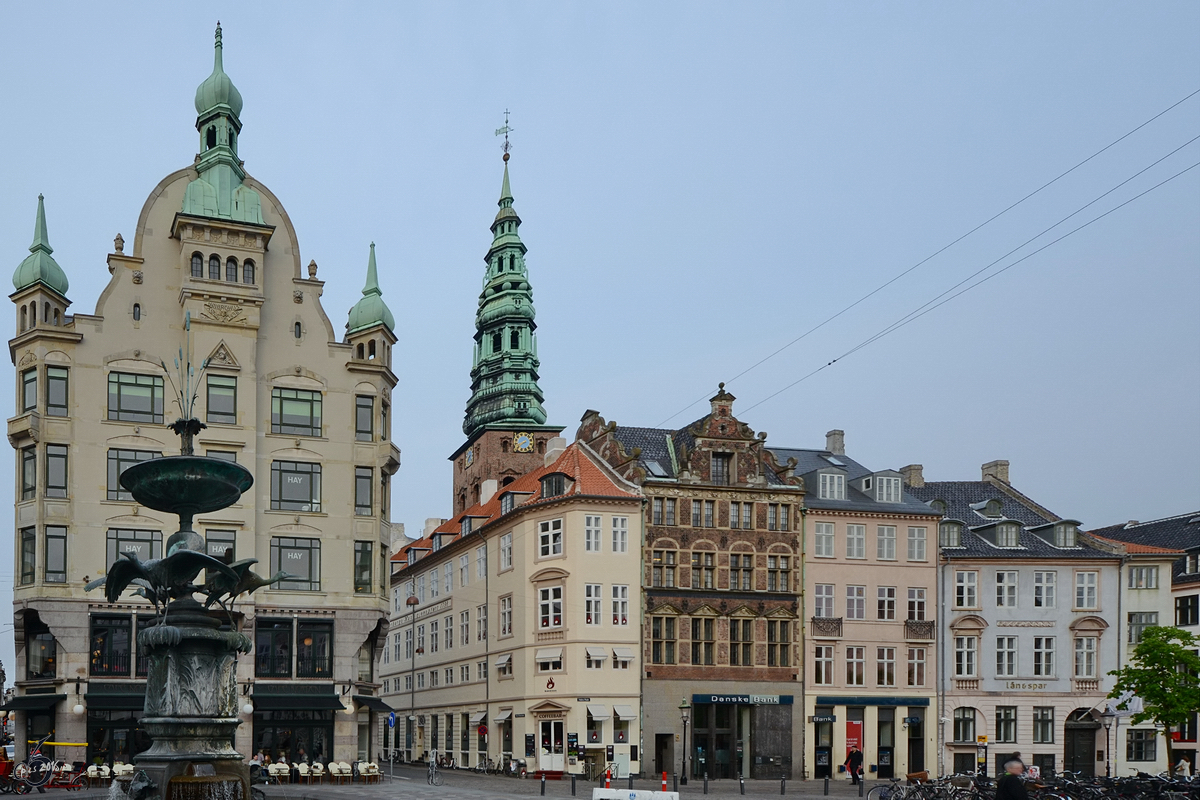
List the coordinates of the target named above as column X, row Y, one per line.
column 40, row 266
column 371, row 310
column 217, row 89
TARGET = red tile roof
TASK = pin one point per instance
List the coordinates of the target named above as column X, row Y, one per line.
column 1131, row 547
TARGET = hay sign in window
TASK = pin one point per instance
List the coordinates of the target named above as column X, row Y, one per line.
column 296, row 412
column 295, row 486
column 301, row 559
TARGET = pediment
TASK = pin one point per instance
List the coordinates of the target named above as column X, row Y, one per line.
column 665, row 608
column 781, row 613
column 222, row 357
column 547, row 705
column 295, row 454
column 133, row 521
column 136, row 443
column 1089, row 625
column 706, row 611
column 969, row 622
column 743, row 611
column 548, row 574
column 296, row 528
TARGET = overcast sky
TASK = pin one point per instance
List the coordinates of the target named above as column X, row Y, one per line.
column 699, row 184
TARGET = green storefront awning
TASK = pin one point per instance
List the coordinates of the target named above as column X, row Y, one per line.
column 114, row 702
column 373, row 703
column 33, row 702
column 297, row 702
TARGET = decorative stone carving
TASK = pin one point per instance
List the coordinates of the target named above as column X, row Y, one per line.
column 297, row 296
column 28, row 358
column 224, row 312
column 221, row 355
column 137, row 276
column 312, row 270
column 119, row 244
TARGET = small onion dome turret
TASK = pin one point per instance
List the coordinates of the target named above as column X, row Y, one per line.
column 39, row 266
column 371, row 310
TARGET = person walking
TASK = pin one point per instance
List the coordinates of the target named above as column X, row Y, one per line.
column 1011, row 785
column 854, row 764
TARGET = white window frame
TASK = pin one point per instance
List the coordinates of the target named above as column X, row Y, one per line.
column 506, row 616
column 1006, row 656
column 620, row 534
column 917, row 538
column 916, row 603
column 833, row 486
column 1045, row 589
column 550, row 607
column 856, row 602
column 464, row 627
column 1006, row 588
column 1008, row 534
column 593, row 525
column 885, row 600
column 592, row 604
column 550, row 538
column 481, row 562
column 1087, row 590
column 856, row 666
column 1085, row 657
column 887, row 490
column 1145, row 577
column 966, row 589
column 464, row 569
column 1043, row 657
column 885, row 542
column 823, row 665
column 856, row 541
column 823, row 594
column 916, row 666
column 824, row 540
column 620, row 605
column 506, row 551
column 966, row 656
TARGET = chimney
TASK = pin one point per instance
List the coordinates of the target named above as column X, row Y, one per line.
column 431, row 524
column 487, row 490
column 398, row 538
column 914, row 475
column 835, row 442
column 554, row 449
column 997, row 470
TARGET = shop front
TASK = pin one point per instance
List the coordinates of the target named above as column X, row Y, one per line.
column 295, row 722
column 39, row 710
column 741, row 735
column 891, row 732
column 113, row 732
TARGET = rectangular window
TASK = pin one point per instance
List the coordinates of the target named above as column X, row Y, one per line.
column 301, row 559
column 111, row 646
column 449, row 679
column 856, row 602
column 662, row 570
column 506, row 615
column 434, row 640
column 1006, row 656
column 119, row 461
column 741, row 642
column 856, row 666
column 824, row 607
column 1008, row 535
column 1044, row 586
column 703, row 569
column 779, row 643
column 885, row 666
column 135, row 398
column 29, row 390
column 885, row 606
column 1143, row 577
column 1043, row 656
column 508, row 502
column 464, row 626
column 885, row 543
column 709, row 515
column 778, row 517
column 364, row 562
column 1085, row 590
column 56, row 554
column 735, row 515
column 656, row 514
column 1138, row 622
column 435, row 584
column 56, row 470
column 224, row 455
column 620, row 534
column 314, row 649
column 887, row 490
column 220, row 545
column 593, row 613
column 464, row 569
column 620, row 605
column 550, row 607
column 221, row 405
column 662, row 638
column 433, row 683
column 143, row 544
column 591, row 533
column 965, row 650
column 741, row 572
column 364, row 418
column 823, row 540
column 420, row 680
column 916, row 603
column 1085, row 657
column 464, row 673
column 1141, row 744
column 950, row 534
column 296, row 412
column 1043, row 724
column 966, row 585
column 364, row 484
column 703, row 641
column 28, row 473
column 964, row 724
column 669, row 513
column 779, row 574
column 295, row 486
column 833, row 486
column 481, row 562
column 916, row 544
column 506, row 551
column 481, row 670
column 56, row 391
column 421, row 588
column 1187, row 610
column 916, row 666
column 28, row 555
column 550, row 538
column 553, row 485
column 721, row 463
column 856, row 541
column 1006, row 723
column 448, row 577
column 823, row 665
column 697, row 516
column 273, row 648
column 1006, row 589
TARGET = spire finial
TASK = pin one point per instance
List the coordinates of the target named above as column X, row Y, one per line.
column 372, row 285
column 41, row 238
column 505, row 130
column 217, row 61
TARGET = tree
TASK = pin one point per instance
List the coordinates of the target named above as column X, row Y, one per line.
column 1163, row 672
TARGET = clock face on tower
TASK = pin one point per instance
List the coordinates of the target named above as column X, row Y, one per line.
column 523, row 443
column 470, row 457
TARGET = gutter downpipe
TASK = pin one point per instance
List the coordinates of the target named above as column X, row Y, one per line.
column 943, row 566
column 803, row 641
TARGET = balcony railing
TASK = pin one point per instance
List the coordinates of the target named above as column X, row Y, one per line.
column 1087, row 685
column 316, row 667
column 967, row 684
column 110, row 664
column 827, row 627
column 920, row 629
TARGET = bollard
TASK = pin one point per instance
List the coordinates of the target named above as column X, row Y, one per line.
column 608, row 779
column 706, row 781
column 861, row 783
column 742, row 784
column 826, row 785
column 572, row 784
column 543, row 784
column 675, row 781
column 664, row 780
column 783, row 785
column 630, row 780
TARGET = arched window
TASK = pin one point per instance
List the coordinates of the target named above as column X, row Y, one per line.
column 504, row 445
column 197, row 265
column 56, row 317
column 514, row 340
column 231, row 270
column 541, row 447
column 231, row 137
column 46, row 313
column 964, row 724
column 496, row 342
column 371, row 349
column 210, row 138
column 248, row 271
column 137, row 311
column 32, row 314
column 297, row 330
column 214, row 267
column 24, row 318
column 360, row 350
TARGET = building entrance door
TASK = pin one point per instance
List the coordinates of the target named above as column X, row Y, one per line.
column 551, row 756
column 664, row 753
column 916, row 739
column 1079, row 750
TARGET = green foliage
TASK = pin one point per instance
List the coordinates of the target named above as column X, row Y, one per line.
column 1162, row 671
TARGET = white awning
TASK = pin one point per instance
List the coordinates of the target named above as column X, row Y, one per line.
column 504, row 659
column 504, row 715
column 625, row 712
column 477, row 717
column 548, row 654
column 598, row 712
column 622, row 654
column 597, row 653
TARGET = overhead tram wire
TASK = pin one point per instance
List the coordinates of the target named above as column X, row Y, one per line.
column 914, row 316
column 938, row 252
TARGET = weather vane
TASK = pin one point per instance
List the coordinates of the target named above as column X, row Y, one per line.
column 505, row 130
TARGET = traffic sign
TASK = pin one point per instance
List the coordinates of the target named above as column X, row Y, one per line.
column 483, row 730
column 392, row 720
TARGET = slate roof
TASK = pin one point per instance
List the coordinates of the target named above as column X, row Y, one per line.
column 960, row 496
column 809, row 461
column 1179, row 534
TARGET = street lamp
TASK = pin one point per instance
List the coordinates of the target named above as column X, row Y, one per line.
column 410, row 733
column 1106, row 719
column 685, row 715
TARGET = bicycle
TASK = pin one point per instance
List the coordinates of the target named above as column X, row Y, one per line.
column 483, row 767
column 435, row 775
column 39, row 771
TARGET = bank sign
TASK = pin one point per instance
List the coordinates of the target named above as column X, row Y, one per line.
column 744, row 699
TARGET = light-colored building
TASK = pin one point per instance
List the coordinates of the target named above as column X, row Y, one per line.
column 304, row 409
column 523, row 638
column 870, row 608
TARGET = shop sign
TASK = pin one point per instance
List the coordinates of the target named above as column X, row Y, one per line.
column 822, row 718
column 744, row 699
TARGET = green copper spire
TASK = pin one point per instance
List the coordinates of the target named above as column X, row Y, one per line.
column 218, row 90
column 39, row 265
column 371, row 310
column 504, row 373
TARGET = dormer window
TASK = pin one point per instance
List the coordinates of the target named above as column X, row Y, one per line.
column 833, row 486
column 507, row 501
column 554, row 486
column 721, row 463
column 887, row 490
column 992, row 509
column 1008, row 534
column 466, row 526
column 950, row 534
column 1064, row 534
column 939, row 506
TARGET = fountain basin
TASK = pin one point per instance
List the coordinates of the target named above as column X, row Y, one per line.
column 187, row 485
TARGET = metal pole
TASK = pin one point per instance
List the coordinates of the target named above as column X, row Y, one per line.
column 706, row 781
column 543, row 784
column 826, row 785
column 861, row 782
column 572, row 784
column 630, row 776
column 683, row 778
column 1107, row 753
column 675, row 782
column 741, row 784
column 783, row 785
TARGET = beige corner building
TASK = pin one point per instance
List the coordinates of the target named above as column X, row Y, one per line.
column 304, row 408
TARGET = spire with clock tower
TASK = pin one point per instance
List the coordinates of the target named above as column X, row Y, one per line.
column 505, row 422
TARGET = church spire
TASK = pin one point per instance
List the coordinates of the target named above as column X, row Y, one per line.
column 370, row 310
column 39, row 266
column 504, row 374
